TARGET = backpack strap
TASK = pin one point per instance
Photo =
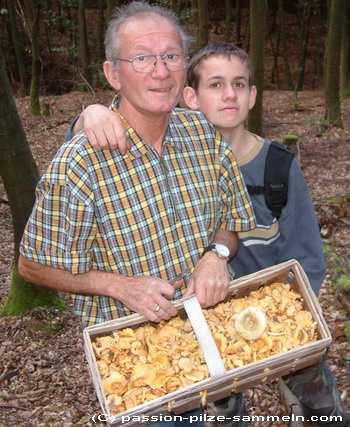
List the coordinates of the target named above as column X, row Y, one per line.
column 278, row 161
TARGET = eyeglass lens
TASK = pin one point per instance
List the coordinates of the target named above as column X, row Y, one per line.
column 146, row 63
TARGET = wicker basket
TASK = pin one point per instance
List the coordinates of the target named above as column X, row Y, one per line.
column 237, row 379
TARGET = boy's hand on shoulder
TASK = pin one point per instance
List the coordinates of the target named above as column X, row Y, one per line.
column 104, row 128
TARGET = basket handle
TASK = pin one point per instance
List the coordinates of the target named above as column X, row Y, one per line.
column 205, row 338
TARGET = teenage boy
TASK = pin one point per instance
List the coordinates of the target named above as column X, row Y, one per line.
column 220, row 85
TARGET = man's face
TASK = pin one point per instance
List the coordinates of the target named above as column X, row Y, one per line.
column 158, row 91
column 223, row 94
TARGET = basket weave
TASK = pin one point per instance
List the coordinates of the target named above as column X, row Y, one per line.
column 237, row 379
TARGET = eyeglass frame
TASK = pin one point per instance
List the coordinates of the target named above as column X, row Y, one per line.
column 162, row 55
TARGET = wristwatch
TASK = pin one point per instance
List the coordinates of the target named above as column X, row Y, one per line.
column 221, row 251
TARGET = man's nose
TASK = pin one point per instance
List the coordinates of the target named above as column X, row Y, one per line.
column 160, row 68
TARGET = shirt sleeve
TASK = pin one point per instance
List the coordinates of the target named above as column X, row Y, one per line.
column 70, row 131
column 62, row 227
column 299, row 230
column 237, row 211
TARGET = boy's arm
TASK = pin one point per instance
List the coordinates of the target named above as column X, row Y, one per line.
column 300, row 235
column 103, row 128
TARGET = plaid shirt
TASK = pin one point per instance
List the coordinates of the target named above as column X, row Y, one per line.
column 138, row 214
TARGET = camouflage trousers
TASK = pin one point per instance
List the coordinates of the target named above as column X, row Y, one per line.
column 316, row 389
column 230, row 407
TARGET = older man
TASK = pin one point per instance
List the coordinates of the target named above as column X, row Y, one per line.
column 115, row 231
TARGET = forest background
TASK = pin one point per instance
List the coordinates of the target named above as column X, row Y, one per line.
column 52, row 52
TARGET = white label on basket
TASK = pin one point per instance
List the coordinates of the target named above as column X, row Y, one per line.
column 206, row 341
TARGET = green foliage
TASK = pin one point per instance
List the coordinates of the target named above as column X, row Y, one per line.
column 98, row 76
column 338, row 268
column 343, row 282
column 41, row 327
column 70, row 3
column 290, row 138
column 296, row 105
column 345, row 93
column 81, row 87
column 347, row 329
column 24, row 296
column 46, row 110
column 51, row 18
column 320, row 124
column 338, row 200
column 34, row 104
column 291, row 141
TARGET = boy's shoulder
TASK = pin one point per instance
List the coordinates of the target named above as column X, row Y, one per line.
column 191, row 119
column 192, row 127
column 186, row 111
column 184, row 114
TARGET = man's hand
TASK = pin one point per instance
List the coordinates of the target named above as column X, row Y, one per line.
column 149, row 296
column 211, row 277
column 139, row 293
column 103, row 128
column 210, row 280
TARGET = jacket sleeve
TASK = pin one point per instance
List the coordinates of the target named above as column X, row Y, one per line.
column 300, row 235
column 70, row 133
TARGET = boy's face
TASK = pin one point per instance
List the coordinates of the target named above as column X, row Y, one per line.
column 223, row 94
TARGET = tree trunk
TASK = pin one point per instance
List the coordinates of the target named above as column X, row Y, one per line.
column 48, row 28
column 100, row 30
column 332, row 74
column 174, row 5
column 304, row 7
column 111, row 4
column 258, row 11
column 32, row 10
column 20, row 176
column 84, row 45
column 319, row 57
column 238, row 23
column 18, row 46
column 195, row 21
column 228, row 16
column 282, row 30
column 275, row 49
column 344, row 57
column 203, row 36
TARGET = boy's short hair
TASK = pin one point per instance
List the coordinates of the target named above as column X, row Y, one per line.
column 216, row 49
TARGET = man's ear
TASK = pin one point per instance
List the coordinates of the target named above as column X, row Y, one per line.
column 252, row 97
column 112, row 75
column 189, row 95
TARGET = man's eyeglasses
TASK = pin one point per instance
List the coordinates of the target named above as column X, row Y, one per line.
column 146, row 63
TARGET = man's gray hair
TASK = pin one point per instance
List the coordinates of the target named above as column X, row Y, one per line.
column 134, row 11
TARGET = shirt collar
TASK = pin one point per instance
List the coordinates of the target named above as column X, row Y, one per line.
column 138, row 146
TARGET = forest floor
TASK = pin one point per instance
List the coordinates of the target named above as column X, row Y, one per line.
column 43, row 371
